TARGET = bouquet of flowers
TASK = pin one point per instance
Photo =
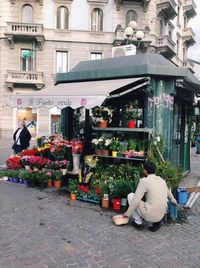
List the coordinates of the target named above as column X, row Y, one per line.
column 13, row 162
column 102, row 113
column 98, row 143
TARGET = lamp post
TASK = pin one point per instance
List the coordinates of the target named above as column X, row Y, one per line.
column 131, row 32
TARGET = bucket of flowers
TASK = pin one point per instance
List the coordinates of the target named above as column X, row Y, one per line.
column 102, row 115
column 63, row 166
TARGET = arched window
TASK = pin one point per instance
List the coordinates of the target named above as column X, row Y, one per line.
column 130, row 15
column 62, row 18
column 97, row 20
column 27, row 14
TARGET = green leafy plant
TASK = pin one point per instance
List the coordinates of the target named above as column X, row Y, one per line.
column 171, row 174
column 114, row 144
column 57, row 174
column 73, row 186
column 132, row 110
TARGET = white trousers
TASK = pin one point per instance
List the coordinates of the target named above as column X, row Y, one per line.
column 136, row 213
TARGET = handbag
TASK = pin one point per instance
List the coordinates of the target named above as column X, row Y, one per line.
column 14, row 146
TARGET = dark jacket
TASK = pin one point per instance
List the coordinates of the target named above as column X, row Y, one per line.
column 24, row 137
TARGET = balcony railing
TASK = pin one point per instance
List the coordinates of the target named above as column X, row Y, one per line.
column 143, row 2
column 166, row 46
column 189, row 7
column 188, row 37
column 25, row 77
column 19, row 31
column 166, row 9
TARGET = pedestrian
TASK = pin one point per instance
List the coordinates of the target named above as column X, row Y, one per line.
column 156, row 194
column 21, row 138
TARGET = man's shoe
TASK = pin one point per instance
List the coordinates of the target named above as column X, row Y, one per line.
column 137, row 226
column 156, row 226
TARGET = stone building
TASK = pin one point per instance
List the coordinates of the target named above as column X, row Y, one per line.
column 39, row 38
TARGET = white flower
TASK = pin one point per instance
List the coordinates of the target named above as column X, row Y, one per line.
column 108, row 142
column 95, row 141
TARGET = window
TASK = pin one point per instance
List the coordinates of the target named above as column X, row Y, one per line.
column 61, row 61
column 161, row 28
column 130, row 15
column 27, row 14
column 97, row 20
column 178, row 15
column 27, row 60
column 62, row 18
column 177, row 48
column 95, row 56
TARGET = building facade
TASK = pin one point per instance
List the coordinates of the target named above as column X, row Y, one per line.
column 39, row 38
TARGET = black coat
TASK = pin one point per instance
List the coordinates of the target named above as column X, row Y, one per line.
column 24, row 137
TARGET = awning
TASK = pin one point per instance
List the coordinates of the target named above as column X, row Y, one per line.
column 75, row 95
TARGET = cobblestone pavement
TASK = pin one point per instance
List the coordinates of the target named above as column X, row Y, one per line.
column 44, row 229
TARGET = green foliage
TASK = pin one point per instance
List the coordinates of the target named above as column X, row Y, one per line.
column 23, row 174
column 73, row 185
column 172, row 175
column 57, row 175
column 4, row 173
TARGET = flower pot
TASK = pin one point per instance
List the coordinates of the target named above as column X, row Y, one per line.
column 15, row 180
column 73, row 196
column 131, row 124
column 114, row 153
column 105, row 202
column 57, row 184
column 123, row 202
column 64, row 171
column 98, row 152
column 105, row 152
column 25, row 182
column 76, row 162
column 116, row 204
column 103, row 124
column 49, row 183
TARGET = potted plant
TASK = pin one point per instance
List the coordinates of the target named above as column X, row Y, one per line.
column 115, row 194
column 73, row 186
column 57, row 178
column 132, row 113
column 104, row 188
column 106, row 147
column 49, row 175
column 114, row 146
column 23, row 176
column 98, row 144
column 122, row 148
column 63, row 164
column 102, row 115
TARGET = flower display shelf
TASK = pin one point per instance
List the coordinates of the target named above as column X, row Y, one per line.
column 90, row 199
column 135, row 158
column 124, row 129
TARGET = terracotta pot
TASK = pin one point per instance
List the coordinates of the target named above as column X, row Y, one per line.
column 98, row 152
column 49, row 183
column 105, row 152
column 57, row 184
column 105, row 202
column 73, row 196
column 131, row 124
column 103, row 124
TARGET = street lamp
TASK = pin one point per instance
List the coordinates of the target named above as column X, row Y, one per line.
column 131, row 32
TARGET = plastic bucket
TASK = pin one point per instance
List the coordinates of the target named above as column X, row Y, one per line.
column 182, row 196
column 172, row 210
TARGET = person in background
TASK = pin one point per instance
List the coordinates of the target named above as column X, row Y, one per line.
column 21, row 138
column 156, row 192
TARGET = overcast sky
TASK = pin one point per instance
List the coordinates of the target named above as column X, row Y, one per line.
column 194, row 51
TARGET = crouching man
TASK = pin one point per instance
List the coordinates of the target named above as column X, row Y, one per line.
column 156, row 193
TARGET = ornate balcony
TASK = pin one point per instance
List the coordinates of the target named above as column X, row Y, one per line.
column 27, row 31
column 120, row 38
column 39, row 1
column 166, row 46
column 24, row 78
column 189, row 7
column 144, row 3
column 188, row 37
column 166, row 9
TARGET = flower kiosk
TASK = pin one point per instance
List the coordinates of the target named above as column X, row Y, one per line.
column 115, row 107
